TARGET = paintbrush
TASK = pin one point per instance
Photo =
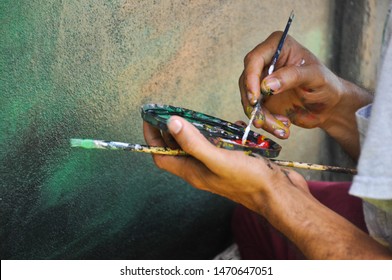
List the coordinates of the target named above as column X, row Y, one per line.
column 313, row 166
column 280, row 45
column 270, row 70
column 113, row 145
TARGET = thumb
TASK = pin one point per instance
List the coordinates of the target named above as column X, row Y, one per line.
column 194, row 143
column 293, row 76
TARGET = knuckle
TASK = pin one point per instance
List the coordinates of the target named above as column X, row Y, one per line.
column 323, row 75
column 296, row 73
column 240, row 80
column 249, row 57
column 276, row 34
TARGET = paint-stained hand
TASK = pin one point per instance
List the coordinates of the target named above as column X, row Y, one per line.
column 231, row 174
column 280, row 195
column 301, row 89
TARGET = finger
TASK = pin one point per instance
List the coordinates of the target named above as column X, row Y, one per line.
column 277, row 125
column 254, row 63
column 241, row 123
column 247, row 107
column 188, row 168
column 270, row 123
column 170, row 141
column 194, row 143
column 289, row 77
column 152, row 135
column 284, row 119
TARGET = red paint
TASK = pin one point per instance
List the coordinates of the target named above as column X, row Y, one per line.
column 261, row 143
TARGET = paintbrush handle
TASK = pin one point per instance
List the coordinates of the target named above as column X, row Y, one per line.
column 113, row 145
column 280, row 44
column 157, row 150
column 312, row 166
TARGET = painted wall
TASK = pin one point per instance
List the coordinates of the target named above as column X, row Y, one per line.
column 83, row 69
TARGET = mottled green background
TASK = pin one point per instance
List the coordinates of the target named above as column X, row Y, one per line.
column 83, row 69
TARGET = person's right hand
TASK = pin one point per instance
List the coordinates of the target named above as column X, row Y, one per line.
column 302, row 88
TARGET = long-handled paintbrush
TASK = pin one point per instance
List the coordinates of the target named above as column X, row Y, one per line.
column 313, row 166
column 113, row 145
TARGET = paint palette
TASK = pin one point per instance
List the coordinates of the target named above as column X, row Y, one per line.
column 221, row 133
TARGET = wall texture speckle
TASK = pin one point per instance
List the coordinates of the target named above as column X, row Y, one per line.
column 83, row 69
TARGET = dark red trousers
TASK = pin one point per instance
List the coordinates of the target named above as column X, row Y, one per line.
column 257, row 239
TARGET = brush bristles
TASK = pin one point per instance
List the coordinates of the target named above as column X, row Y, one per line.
column 76, row 142
column 84, row 143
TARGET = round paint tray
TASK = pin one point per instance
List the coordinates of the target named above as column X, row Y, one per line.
column 221, row 133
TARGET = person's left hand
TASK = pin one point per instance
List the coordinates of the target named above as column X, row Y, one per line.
column 232, row 174
column 281, row 196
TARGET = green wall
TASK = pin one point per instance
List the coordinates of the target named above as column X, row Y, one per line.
column 83, row 69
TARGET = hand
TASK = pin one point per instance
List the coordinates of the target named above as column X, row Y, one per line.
column 232, row 174
column 303, row 89
column 281, row 196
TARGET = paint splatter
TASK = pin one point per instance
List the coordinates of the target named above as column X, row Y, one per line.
column 261, row 143
column 265, row 89
column 260, row 118
column 302, row 117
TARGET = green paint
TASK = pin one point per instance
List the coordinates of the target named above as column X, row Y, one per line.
column 71, row 68
column 83, row 68
column 216, row 130
column 83, row 143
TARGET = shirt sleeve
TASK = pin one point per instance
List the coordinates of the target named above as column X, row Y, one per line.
column 374, row 179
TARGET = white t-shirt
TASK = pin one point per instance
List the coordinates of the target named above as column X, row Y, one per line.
column 374, row 180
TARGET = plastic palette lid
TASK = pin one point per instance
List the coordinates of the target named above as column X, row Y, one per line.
column 221, row 133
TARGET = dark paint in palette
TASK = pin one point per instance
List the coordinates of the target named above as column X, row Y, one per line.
column 221, row 133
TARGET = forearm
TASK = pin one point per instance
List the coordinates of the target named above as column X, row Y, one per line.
column 280, row 195
column 316, row 230
column 341, row 124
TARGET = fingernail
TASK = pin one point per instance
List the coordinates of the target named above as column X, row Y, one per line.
column 280, row 132
column 174, row 126
column 260, row 118
column 273, row 84
column 249, row 110
column 270, row 85
column 251, row 98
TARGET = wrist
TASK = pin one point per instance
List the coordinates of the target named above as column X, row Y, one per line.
column 341, row 123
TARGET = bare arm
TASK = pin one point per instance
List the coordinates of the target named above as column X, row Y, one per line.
column 279, row 195
column 317, row 231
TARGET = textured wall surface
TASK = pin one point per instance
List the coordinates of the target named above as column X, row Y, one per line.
column 358, row 31
column 83, row 69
